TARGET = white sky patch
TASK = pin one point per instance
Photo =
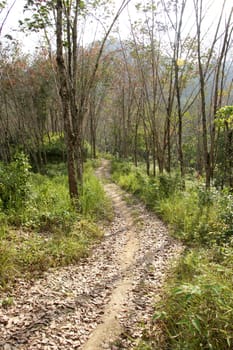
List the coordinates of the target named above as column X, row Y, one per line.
column 29, row 41
column 94, row 30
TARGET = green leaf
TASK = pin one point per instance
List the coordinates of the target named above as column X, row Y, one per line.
column 196, row 324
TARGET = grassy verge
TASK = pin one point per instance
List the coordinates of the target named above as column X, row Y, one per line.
column 196, row 311
column 43, row 229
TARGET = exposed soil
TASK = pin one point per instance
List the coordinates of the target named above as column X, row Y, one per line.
column 102, row 302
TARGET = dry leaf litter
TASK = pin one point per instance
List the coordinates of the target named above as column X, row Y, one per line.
column 102, row 302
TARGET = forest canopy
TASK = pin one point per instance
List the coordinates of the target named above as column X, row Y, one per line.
column 155, row 95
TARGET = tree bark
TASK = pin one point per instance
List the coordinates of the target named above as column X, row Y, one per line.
column 64, row 92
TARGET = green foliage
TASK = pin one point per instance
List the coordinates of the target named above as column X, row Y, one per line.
column 197, row 311
column 169, row 184
column 49, row 208
column 226, row 215
column 150, row 189
column 93, row 201
column 195, row 215
column 143, row 346
column 7, row 262
column 28, row 253
column 7, row 302
column 42, row 202
column 54, row 147
column 14, row 183
column 87, row 152
column 51, row 232
column 120, row 168
column 224, row 117
column 199, row 217
column 224, row 157
column 40, row 252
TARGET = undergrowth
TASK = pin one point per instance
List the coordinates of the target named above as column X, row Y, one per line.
column 196, row 311
column 39, row 226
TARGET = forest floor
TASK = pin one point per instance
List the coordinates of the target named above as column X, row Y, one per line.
column 107, row 300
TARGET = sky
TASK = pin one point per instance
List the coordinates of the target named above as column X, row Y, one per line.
column 31, row 41
column 11, row 25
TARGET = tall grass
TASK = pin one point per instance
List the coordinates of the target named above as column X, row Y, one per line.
column 197, row 309
column 46, row 230
column 93, row 201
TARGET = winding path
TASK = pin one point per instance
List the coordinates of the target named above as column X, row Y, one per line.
column 101, row 302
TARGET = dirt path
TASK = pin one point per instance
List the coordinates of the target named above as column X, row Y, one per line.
column 100, row 303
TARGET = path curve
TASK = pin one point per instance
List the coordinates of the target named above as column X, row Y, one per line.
column 99, row 303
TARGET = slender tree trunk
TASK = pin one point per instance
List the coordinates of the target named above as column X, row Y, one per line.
column 218, row 88
column 66, row 108
column 154, row 156
column 169, row 143
column 136, row 145
column 203, row 99
column 180, row 123
column 230, row 156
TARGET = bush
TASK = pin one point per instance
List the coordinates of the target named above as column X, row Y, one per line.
column 52, row 232
column 38, row 253
column 93, row 201
column 14, row 183
column 197, row 311
column 169, row 184
column 54, row 148
column 150, row 189
column 7, row 262
column 49, row 208
column 28, row 253
column 226, row 215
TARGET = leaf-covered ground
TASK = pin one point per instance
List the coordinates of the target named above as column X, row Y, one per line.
column 107, row 300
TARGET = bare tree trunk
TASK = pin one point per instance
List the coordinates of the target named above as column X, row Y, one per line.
column 177, row 86
column 218, row 87
column 198, row 10
column 230, row 156
column 64, row 92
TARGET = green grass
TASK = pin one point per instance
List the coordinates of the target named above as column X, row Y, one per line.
column 29, row 253
column 197, row 309
column 47, row 231
column 93, row 201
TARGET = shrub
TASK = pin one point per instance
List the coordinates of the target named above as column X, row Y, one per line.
column 52, row 232
column 7, row 263
column 169, row 184
column 197, row 311
column 29, row 253
column 93, row 201
column 49, row 208
column 54, row 147
column 14, row 183
column 119, row 168
column 226, row 215
column 150, row 189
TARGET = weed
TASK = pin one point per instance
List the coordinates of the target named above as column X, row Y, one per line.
column 7, row 302
column 48, row 231
column 7, row 262
column 143, row 346
column 197, row 309
column 94, row 202
column 14, row 183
